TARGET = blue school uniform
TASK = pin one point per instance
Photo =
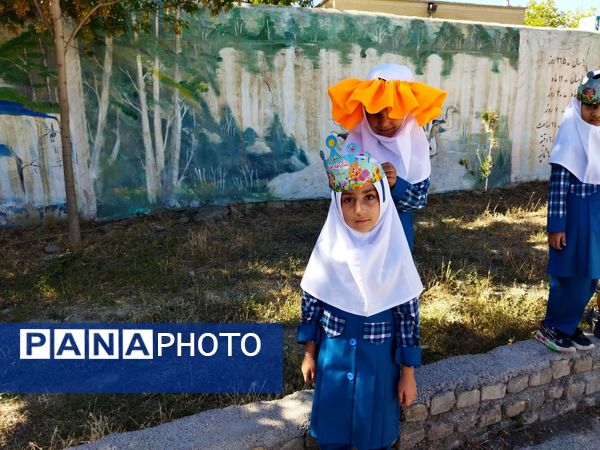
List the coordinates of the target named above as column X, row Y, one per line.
column 356, row 391
column 407, row 198
column 573, row 208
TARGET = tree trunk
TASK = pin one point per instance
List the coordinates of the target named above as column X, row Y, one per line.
column 175, row 147
column 102, row 106
column 150, row 161
column 115, row 151
column 65, row 133
column 80, row 141
column 159, row 144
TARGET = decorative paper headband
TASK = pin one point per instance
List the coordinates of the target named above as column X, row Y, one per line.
column 351, row 170
column 588, row 91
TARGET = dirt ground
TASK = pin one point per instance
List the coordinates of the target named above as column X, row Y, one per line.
column 481, row 256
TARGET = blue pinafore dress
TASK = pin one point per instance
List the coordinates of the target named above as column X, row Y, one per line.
column 581, row 256
column 356, row 391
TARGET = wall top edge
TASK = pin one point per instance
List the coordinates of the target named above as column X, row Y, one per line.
column 408, row 18
column 446, row 4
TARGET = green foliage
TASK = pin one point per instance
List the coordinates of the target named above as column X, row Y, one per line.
column 314, row 32
column 420, row 40
column 217, row 6
column 511, row 40
column 189, row 89
column 305, row 3
column 486, row 164
column 10, row 94
column 269, row 30
column 99, row 16
column 24, row 65
column 251, row 29
column 488, row 161
column 546, row 14
column 490, row 121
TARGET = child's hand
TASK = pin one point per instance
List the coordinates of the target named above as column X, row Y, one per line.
column 309, row 363
column 309, row 368
column 407, row 387
column 557, row 240
column 390, row 173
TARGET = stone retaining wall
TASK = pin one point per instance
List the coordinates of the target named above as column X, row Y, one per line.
column 460, row 399
column 513, row 385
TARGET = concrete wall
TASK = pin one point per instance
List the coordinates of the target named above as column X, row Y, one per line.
column 236, row 108
column 513, row 15
column 550, row 68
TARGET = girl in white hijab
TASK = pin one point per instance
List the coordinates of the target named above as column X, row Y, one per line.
column 385, row 114
column 360, row 312
column 574, row 220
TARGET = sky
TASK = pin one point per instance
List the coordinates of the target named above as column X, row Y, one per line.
column 560, row 4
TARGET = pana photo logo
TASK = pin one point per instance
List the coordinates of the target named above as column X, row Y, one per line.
column 129, row 344
column 130, row 358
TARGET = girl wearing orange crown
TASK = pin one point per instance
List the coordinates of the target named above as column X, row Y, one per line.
column 385, row 114
column 360, row 313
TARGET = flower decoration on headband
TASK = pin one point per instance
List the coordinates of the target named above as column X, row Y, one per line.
column 351, row 96
column 588, row 91
column 351, row 170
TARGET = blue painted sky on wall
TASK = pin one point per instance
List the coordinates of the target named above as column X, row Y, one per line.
column 16, row 109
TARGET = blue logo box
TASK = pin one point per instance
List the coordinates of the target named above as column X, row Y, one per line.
column 141, row 358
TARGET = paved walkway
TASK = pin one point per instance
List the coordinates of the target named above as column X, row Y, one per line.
column 586, row 440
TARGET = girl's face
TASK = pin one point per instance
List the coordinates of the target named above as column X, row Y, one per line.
column 591, row 114
column 382, row 124
column 360, row 208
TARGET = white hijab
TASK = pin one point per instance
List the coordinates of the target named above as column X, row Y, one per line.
column 577, row 145
column 408, row 149
column 362, row 273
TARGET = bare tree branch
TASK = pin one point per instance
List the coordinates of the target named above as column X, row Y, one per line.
column 126, row 72
column 90, row 87
column 190, row 157
column 130, row 103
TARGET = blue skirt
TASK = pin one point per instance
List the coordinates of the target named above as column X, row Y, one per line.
column 581, row 256
column 356, row 391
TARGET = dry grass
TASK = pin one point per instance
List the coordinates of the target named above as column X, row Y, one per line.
column 482, row 258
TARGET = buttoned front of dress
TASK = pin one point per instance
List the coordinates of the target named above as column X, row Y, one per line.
column 574, row 208
column 358, row 402
column 355, row 398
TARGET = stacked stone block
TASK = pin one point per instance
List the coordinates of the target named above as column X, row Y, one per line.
column 537, row 385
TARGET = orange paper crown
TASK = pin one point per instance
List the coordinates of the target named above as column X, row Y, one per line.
column 400, row 98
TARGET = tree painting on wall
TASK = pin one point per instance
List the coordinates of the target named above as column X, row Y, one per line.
column 163, row 146
column 153, row 134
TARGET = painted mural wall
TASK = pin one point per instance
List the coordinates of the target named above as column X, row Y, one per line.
column 551, row 65
column 236, row 107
